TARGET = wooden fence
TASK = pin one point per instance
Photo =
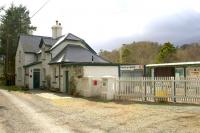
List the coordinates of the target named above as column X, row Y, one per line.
column 183, row 90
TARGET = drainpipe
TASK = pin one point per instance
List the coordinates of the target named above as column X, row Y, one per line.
column 59, row 78
column 24, row 77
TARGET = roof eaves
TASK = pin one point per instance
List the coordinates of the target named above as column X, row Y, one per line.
column 32, row 64
column 88, row 64
column 22, row 34
column 30, row 52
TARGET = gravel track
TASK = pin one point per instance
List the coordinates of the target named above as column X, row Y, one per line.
column 28, row 112
column 20, row 116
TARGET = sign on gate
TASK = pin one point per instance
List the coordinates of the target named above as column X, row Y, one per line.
column 131, row 67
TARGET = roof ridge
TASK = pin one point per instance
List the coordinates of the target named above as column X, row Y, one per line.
column 74, row 36
column 36, row 36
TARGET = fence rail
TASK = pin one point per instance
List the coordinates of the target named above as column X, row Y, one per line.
column 183, row 90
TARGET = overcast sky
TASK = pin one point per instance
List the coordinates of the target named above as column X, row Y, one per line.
column 106, row 24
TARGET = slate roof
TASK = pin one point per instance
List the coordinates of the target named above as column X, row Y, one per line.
column 30, row 43
column 77, row 54
column 49, row 41
column 72, row 37
column 69, row 36
column 72, row 53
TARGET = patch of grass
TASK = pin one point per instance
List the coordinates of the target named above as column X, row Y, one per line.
column 13, row 88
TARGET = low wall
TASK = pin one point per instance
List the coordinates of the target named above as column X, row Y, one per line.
column 102, row 87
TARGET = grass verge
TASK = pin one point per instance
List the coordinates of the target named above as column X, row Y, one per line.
column 12, row 88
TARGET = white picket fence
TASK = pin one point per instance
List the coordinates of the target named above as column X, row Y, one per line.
column 183, row 90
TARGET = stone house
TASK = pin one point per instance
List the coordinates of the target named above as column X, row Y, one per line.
column 58, row 62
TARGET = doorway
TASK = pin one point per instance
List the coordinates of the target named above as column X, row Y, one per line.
column 36, row 78
column 66, row 82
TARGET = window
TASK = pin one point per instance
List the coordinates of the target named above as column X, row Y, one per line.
column 19, row 73
column 54, row 75
column 43, row 54
column 179, row 72
column 44, row 74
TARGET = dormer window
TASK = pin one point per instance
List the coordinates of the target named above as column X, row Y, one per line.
column 43, row 54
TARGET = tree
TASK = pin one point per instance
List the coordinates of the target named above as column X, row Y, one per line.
column 143, row 52
column 14, row 21
column 188, row 52
column 166, row 53
column 125, row 55
column 112, row 56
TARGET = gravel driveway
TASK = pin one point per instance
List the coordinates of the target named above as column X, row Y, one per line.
column 31, row 112
column 19, row 115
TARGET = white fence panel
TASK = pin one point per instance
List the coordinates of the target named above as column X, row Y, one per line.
column 186, row 90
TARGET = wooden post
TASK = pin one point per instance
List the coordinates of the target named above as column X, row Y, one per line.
column 173, row 90
column 145, row 89
column 154, row 88
column 185, row 90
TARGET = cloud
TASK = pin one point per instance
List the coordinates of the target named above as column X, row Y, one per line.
column 108, row 24
column 180, row 28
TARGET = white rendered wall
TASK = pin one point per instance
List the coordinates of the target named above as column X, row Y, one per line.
column 19, row 63
column 100, row 71
column 29, row 58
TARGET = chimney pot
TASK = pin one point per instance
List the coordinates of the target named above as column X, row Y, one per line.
column 56, row 30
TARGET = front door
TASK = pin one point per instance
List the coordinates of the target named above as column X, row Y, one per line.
column 36, row 78
column 66, row 82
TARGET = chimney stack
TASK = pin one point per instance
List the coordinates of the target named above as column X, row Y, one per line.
column 57, row 30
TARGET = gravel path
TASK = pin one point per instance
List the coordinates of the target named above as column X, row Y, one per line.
column 19, row 116
column 29, row 112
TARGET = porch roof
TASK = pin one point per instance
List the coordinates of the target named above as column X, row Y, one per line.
column 32, row 64
column 174, row 64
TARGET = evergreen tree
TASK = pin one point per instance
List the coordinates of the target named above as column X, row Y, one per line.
column 14, row 21
column 166, row 53
column 125, row 55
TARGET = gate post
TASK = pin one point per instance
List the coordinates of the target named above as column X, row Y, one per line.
column 173, row 89
column 145, row 89
column 154, row 88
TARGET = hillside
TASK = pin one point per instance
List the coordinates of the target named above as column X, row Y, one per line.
column 145, row 52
